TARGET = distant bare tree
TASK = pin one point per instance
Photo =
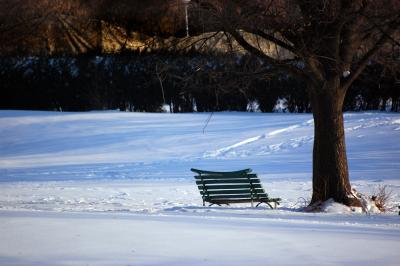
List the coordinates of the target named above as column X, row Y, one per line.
column 76, row 26
column 326, row 43
column 44, row 26
column 152, row 17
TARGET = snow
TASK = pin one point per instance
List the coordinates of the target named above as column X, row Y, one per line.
column 333, row 207
column 114, row 188
column 346, row 73
column 120, row 239
column 156, row 240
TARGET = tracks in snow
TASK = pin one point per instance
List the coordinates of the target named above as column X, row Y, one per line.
column 239, row 150
column 274, row 141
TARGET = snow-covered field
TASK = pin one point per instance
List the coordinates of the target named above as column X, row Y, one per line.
column 113, row 188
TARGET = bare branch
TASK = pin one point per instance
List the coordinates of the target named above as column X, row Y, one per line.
column 369, row 55
column 276, row 41
column 275, row 62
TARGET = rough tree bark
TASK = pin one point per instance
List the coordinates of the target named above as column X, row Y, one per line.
column 330, row 167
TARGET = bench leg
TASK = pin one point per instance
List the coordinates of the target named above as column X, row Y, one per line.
column 267, row 204
column 227, row 204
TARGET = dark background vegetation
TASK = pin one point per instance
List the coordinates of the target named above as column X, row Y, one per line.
column 51, row 58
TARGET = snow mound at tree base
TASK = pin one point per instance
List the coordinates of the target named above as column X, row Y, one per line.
column 330, row 206
column 368, row 206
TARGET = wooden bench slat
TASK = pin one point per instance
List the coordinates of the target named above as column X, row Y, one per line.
column 229, row 201
column 211, row 187
column 233, row 191
column 217, row 177
column 240, row 196
column 198, row 171
column 229, row 181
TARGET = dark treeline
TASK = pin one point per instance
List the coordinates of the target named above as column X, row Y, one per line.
column 185, row 83
column 53, row 58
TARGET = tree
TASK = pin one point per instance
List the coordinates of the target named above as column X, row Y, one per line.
column 327, row 44
column 44, row 27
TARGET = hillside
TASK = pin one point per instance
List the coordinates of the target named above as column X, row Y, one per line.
column 113, row 188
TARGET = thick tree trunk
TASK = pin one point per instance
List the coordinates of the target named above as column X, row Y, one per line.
column 330, row 168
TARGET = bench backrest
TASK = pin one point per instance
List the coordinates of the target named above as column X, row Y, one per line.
column 237, row 186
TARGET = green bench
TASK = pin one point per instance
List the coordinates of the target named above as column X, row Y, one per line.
column 232, row 187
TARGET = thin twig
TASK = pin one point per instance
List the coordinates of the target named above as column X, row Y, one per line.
column 161, row 83
column 207, row 121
